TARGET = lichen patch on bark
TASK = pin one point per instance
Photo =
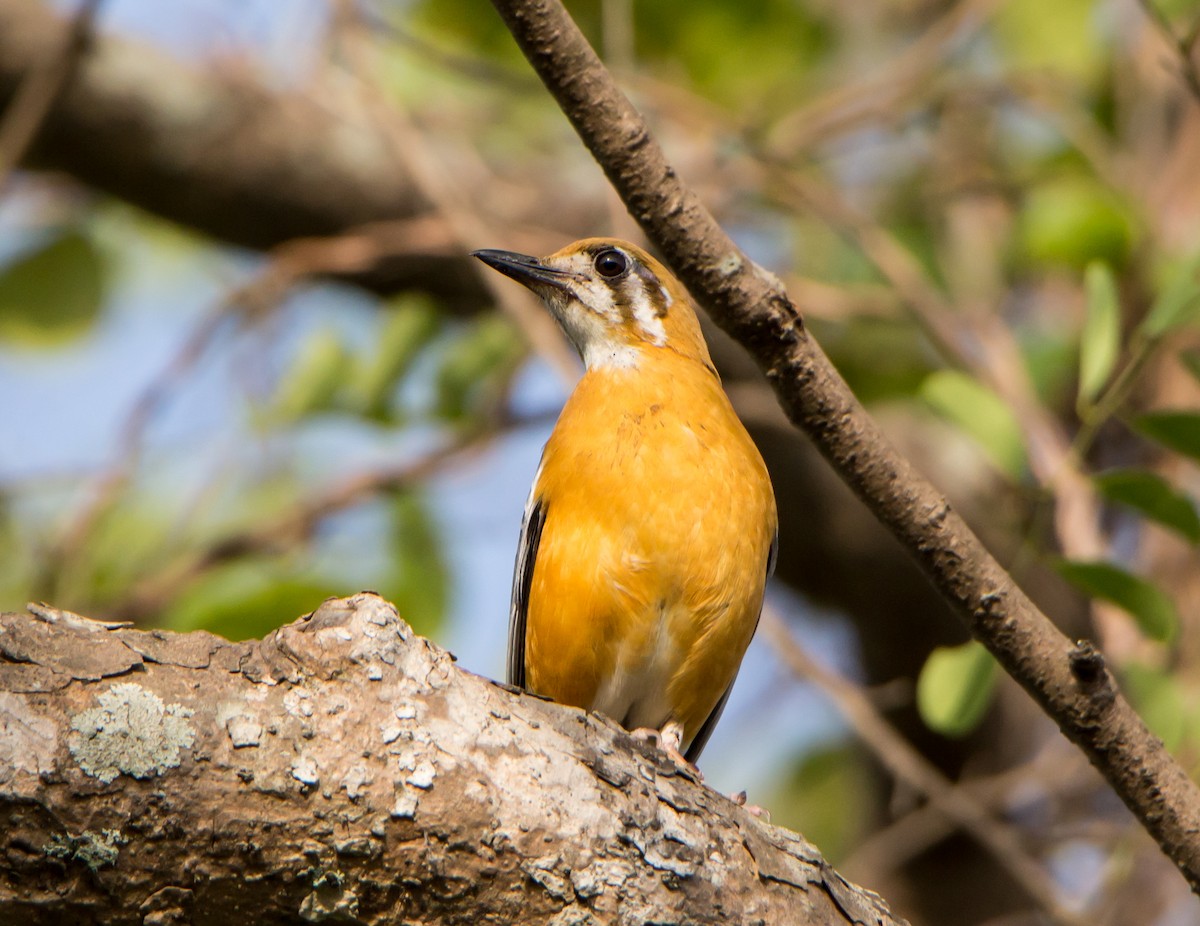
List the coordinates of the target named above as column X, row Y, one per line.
column 130, row 730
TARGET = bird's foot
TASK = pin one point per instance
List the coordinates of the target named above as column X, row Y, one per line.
column 669, row 739
column 753, row 809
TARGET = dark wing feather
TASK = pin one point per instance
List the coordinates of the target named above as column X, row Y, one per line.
column 527, row 547
column 696, row 746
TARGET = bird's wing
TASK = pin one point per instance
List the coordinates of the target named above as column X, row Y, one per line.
column 527, row 547
column 696, row 746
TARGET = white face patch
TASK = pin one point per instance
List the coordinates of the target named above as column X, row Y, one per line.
column 593, row 319
column 618, row 357
column 595, row 334
column 644, row 313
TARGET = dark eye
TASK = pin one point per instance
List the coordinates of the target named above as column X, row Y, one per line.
column 611, row 263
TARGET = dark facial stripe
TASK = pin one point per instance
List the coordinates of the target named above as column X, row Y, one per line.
column 653, row 290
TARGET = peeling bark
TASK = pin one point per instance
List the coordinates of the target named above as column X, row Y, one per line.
column 344, row 769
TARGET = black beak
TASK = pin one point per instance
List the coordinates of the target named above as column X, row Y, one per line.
column 527, row 270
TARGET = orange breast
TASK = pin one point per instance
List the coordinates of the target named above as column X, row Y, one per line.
column 649, row 576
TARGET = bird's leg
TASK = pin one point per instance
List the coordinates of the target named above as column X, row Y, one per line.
column 669, row 739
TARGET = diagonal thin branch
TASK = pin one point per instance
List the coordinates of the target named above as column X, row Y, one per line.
column 1070, row 682
column 299, row 524
column 1181, row 47
column 896, row 754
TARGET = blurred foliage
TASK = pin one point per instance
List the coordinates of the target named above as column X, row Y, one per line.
column 821, row 796
column 331, row 375
column 247, row 596
column 1153, row 496
column 1175, row 430
column 968, row 403
column 1145, row 601
column 955, row 687
column 881, row 358
column 53, row 292
column 246, row 599
column 417, row 578
column 476, row 367
column 152, row 540
column 752, row 56
column 1178, row 301
column 1100, row 342
column 756, row 50
column 410, row 324
column 1069, row 221
column 1158, row 698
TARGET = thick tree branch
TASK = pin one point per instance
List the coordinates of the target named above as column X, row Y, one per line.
column 344, row 769
column 220, row 153
column 39, row 90
column 1071, row 682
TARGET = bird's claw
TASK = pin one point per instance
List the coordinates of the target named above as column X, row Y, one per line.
column 669, row 739
column 753, row 809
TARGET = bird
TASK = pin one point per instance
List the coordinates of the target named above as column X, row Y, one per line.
column 651, row 528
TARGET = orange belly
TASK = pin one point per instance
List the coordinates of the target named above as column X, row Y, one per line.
column 650, row 571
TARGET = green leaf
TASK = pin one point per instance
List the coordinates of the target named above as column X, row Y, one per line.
column 418, row 581
column 1157, row 697
column 1070, row 221
column 406, row 329
column 981, row 413
column 247, row 599
column 1175, row 430
column 1100, row 340
column 821, row 795
column 1150, row 607
column 314, row 379
column 1058, row 38
column 474, row 366
column 881, row 358
column 955, row 688
column 1178, row 303
column 1052, row 359
column 53, row 293
column 1154, row 497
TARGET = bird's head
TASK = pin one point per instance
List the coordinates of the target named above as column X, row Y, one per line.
column 614, row 301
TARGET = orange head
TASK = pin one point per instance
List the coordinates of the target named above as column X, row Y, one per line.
column 614, row 301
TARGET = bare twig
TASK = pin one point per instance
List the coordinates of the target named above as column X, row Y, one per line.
column 295, row 525
column 882, row 92
column 904, row 762
column 1072, row 683
column 915, row 832
column 40, row 89
column 1183, row 47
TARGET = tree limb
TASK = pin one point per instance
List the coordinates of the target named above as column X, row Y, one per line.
column 220, row 153
column 40, row 88
column 1071, row 682
column 344, row 769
